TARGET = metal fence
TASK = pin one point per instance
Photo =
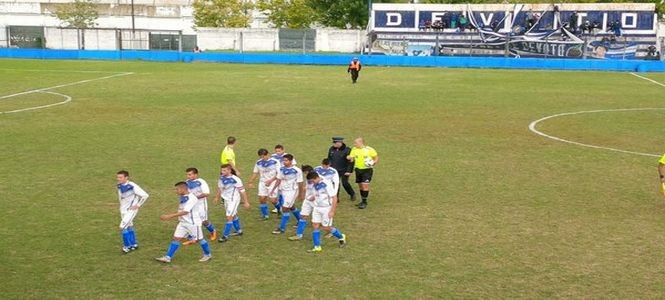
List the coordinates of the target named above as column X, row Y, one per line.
column 297, row 40
column 95, row 39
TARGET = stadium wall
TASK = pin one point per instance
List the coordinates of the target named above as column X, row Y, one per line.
column 341, row 60
column 267, row 39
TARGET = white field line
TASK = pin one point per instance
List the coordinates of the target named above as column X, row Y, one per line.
column 534, row 124
column 64, row 85
column 58, row 70
column 67, row 99
column 647, row 79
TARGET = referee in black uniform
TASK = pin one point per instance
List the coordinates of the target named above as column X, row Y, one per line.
column 337, row 155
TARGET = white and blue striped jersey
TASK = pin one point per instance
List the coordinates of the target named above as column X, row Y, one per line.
column 197, row 187
column 231, row 187
column 267, row 169
column 309, row 190
column 188, row 203
column 130, row 194
column 289, row 178
column 279, row 157
column 329, row 174
column 324, row 193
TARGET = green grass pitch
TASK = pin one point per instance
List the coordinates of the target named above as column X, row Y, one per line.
column 466, row 202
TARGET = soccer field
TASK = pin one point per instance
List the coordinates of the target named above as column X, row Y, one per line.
column 467, row 202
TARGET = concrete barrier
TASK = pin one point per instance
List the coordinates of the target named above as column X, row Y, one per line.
column 314, row 59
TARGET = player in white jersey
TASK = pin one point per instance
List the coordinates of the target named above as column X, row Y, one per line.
column 290, row 186
column 131, row 197
column 307, row 205
column 331, row 175
column 325, row 205
column 328, row 173
column 201, row 190
column 266, row 169
column 189, row 224
column 230, row 188
column 279, row 156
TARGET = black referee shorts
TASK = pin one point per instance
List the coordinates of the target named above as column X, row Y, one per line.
column 364, row 175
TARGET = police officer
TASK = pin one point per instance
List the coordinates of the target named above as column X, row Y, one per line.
column 337, row 155
column 354, row 69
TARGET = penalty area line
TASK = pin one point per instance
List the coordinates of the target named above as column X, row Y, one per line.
column 647, row 79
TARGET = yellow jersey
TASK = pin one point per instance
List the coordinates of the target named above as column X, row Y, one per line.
column 662, row 160
column 228, row 156
column 363, row 158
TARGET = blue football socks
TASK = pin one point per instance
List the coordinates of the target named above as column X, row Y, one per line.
column 205, row 247
column 173, row 248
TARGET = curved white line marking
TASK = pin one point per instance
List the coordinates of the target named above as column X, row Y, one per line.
column 47, row 91
column 533, row 125
column 64, row 85
column 67, row 99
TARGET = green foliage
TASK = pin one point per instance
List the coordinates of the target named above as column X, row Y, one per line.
column 340, row 13
column 343, row 13
column 79, row 14
column 222, row 13
column 287, row 13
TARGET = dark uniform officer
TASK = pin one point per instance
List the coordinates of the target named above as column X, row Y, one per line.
column 354, row 69
column 337, row 155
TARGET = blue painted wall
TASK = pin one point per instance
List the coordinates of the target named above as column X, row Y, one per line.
column 377, row 60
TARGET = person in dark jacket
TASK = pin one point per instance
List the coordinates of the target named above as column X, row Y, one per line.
column 337, row 155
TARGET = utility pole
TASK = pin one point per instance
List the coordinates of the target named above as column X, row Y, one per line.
column 133, row 24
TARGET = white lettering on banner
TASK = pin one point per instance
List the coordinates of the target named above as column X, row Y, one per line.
column 438, row 16
column 604, row 21
column 487, row 20
column 393, row 19
column 580, row 18
column 624, row 20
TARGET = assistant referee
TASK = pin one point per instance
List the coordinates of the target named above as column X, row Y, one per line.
column 364, row 159
column 228, row 156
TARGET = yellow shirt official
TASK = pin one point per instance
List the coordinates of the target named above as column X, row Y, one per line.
column 228, row 156
column 360, row 155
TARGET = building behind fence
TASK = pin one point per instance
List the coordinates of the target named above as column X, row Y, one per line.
column 601, row 31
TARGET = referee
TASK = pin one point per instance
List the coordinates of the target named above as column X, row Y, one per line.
column 364, row 159
column 228, row 156
column 337, row 155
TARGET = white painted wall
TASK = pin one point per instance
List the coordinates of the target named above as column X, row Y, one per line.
column 4, row 39
column 257, row 39
column 57, row 38
column 336, row 40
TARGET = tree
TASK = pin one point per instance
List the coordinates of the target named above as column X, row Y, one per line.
column 80, row 14
column 287, row 13
column 340, row 13
column 222, row 13
column 344, row 13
